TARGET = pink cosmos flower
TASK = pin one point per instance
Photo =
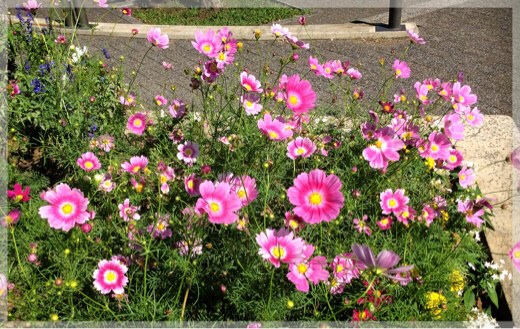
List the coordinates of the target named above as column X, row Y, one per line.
column 407, row 214
column 219, row 202
column 280, row 246
column 453, row 127
column 157, row 39
column 327, row 70
column 316, row 196
column 128, row 212
column 462, row 95
column 472, row 211
column 385, row 223
column 249, row 83
column 354, row 74
column 308, row 270
column 13, row 89
column 126, row 11
column 167, row 65
column 514, row 255
column 136, row 164
column 384, row 264
column 107, row 184
column 401, row 69
column 385, row 149
column 296, row 43
column 279, row 31
column 61, row 39
column 300, row 147
column 188, row 152
column 315, row 65
column 393, row 202
column 251, row 103
column 110, row 276
column 137, row 123
column 300, row 97
column 189, row 248
column 245, row 188
column 129, row 101
column 428, row 214
column 177, row 109
column 361, row 225
column 32, row 5
column 88, row 162
column 415, row 38
column 474, row 118
column 11, row 218
column 274, row 129
column 67, row 207
column 421, row 92
column 345, row 268
column 18, row 194
column 437, row 147
column 294, row 222
column 209, row 43
column 445, row 90
column 466, row 177
column 192, row 184
column 160, row 100
column 160, row 229
column 515, row 158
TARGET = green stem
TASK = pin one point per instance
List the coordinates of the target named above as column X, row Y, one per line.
column 270, row 290
column 18, row 257
column 138, row 68
column 105, row 307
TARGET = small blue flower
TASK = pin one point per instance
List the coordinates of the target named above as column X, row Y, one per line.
column 37, row 86
column 27, row 66
column 106, row 53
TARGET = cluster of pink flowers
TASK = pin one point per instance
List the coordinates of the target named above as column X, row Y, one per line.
column 278, row 31
column 329, row 69
column 219, row 47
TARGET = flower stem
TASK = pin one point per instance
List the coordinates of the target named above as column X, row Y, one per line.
column 100, row 305
column 138, row 68
column 270, row 290
column 18, row 257
column 184, row 302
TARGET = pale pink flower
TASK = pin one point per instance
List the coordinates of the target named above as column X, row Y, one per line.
column 107, row 184
column 362, row 226
column 88, row 162
column 401, row 69
column 279, row 31
column 110, row 276
column 472, row 211
column 137, row 123
column 296, row 43
column 316, row 196
column 345, row 268
column 514, row 255
column 177, row 109
column 393, row 202
column 466, row 177
column 308, row 270
column 385, row 149
column 474, row 118
column 128, row 101
column 67, row 207
column 105, row 142
column 167, row 65
column 101, row 3
column 274, row 129
column 515, row 158
column 157, row 39
column 300, row 147
column 453, row 127
column 219, row 202
column 437, row 147
column 415, row 38
column 354, row 74
column 160, row 229
column 251, row 103
column 250, row 83
column 188, row 152
column 128, row 212
column 421, row 92
column 11, row 218
column 428, row 214
column 160, row 100
column 462, row 95
column 280, row 246
column 209, row 43
column 136, row 164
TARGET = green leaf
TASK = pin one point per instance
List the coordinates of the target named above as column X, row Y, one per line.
column 492, row 294
column 469, row 299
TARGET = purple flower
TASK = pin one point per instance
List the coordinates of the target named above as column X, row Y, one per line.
column 384, row 264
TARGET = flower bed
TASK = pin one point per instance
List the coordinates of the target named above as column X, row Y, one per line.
column 244, row 204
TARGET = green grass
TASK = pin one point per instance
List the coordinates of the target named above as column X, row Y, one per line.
column 217, row 16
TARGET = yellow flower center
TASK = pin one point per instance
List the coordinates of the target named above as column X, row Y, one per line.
column 136, row 168
column 405, row 214
column 403, row 98
column 407, row 135
column 18, row 198
column 107, row 183
column 221, row 56
column 516, row 254
column 434, row 148
column 293, row 224
column 163, row 179
column 379, row 144
column 110, row 276
column 315, row 199
column 339, row 268
column 248, row 87
column 161, row 226
column 190, row 184
column 423, row 97
column 188, row 151
column 443, row 92
column 327, row 70
column 384, row 221
column 313, row 67
column 300, row 151
column 9, row 220
column 214, row 206
column 293, row 100
column 462, row 177
column 398, row 72
column 430, row 87
column 461, row 99
column 89, row 165
column 206, row 48
column 452, row 158
column 278, row 252
column 302, row 268
column 138, row 122
column 392, row 203
column 241, row 193
column 471, row 117
column 249, row 103
column 67, row 208
column 273, row 135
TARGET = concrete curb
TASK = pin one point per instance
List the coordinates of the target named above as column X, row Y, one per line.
column 187, row 32
column 497, row 179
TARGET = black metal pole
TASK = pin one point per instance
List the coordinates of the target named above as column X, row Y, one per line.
column 69, row 16
column 80, row 15
column 394, row 14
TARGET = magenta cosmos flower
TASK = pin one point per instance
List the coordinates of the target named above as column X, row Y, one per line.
column 274, row 129
column 308, row 270
column 317, row 197
column 299, row 97
column 437, row 147
column 209, row 43
column 280, row 246
column 128, row 212
column 192, row 184
column 219, row 202
column 188, row 152
column 136, row 164
column 157, row 39
column 250, row 83
column 393, row 202
column 88, row 162
column 462, row 95
column 67, row 207
column 18, row 194
column 245, row 188
column 415, row 38
column 401, row 69
column 300, row 147
column 384, row 264
column 385, row 149
column 110, row 276
column 514, row 254
column 137, row 123
column 11, row 218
